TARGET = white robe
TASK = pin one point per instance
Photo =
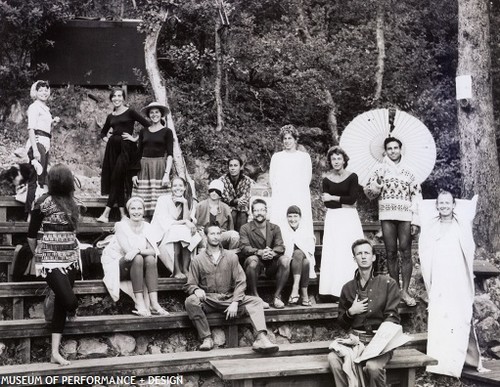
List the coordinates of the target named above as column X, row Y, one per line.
column 290, row 175
column 304, row 241
column 165, row 215
column 111, row 256
column 446, row 258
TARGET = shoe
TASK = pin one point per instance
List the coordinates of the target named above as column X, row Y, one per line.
column 264, row 345
column 102, row 219
column 265, row 305
column 278, row 304
column 207, row 345
column 293, row 300
column 159, row 312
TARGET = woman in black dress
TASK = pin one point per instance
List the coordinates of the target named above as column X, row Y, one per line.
column 120, row 154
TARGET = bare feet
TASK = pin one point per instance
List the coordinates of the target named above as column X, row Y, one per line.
column 58, row 359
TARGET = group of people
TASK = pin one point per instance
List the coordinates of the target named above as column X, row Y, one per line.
column 214, row 246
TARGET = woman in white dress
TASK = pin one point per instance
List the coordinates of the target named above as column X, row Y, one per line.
column 342, row 224
column 290, row 174
column 446, row 251
column 174, row 217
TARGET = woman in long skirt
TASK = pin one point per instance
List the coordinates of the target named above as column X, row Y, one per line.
column 156, row 144
column 342, row 224
column 120, row 153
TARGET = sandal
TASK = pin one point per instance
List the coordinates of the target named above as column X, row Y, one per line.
column 293, row 300
column 306, row 302
column 278, row 304
column 159, row 312
column 141, row 312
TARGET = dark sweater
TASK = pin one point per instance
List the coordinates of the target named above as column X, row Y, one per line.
column 123, row 123
column 346, row 189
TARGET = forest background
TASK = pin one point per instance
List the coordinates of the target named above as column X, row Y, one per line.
column 316, row 64
column 313, row 63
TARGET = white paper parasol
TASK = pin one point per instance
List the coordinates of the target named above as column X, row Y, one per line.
column 363, row 140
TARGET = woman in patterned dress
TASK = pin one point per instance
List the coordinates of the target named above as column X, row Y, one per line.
column 57, row 252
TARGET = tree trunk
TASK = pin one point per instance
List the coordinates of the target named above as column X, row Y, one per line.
column 160, row 92
column 379, row 76
column 303, row 29
column 218, row 76
column 479, row 157
column 332, row 117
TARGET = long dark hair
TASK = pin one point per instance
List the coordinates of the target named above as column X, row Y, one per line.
column 188, row 193
column 61, row 189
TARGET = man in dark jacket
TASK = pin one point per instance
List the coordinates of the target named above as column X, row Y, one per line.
column 262, row 247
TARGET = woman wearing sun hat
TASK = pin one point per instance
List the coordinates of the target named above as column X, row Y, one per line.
column 156, row 144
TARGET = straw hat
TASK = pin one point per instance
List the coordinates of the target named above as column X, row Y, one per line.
column 156, row 105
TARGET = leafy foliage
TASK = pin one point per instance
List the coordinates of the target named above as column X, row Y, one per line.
column 280, row 60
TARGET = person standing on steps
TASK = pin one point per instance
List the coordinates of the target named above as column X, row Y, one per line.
column 399, row 194
column 40, row 123
column 342, row 224
column 57, row 254
column 155, row 150
column 120, row 153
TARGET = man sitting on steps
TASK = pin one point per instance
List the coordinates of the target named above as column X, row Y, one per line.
column 262, row 247
column 216, row 282
column 366, row 302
